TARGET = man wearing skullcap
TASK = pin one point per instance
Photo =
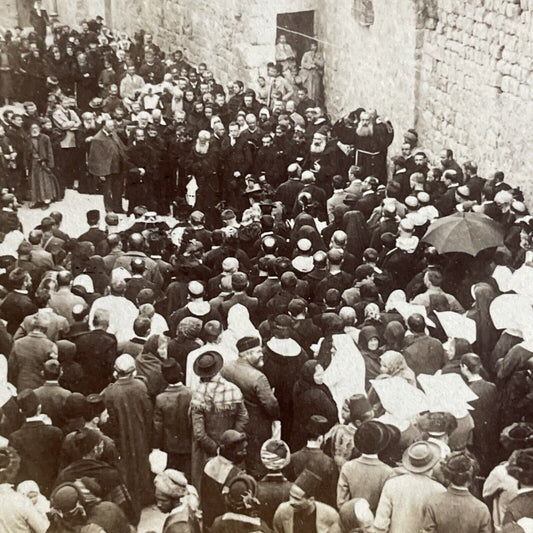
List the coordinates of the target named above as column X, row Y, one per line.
column 302, row 513
column 130, row 415
column 442, row 511
column 261, row 404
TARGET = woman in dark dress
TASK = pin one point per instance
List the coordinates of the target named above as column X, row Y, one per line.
column 35, row 79
column 310, row 397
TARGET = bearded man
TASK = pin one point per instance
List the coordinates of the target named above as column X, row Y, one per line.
column 371, row 139
column 202, row 163
column 321, row 159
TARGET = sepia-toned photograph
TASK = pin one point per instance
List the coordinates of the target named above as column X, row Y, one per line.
column 266, row 266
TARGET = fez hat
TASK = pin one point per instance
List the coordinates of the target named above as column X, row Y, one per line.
column 208, row 364
column 309, row 482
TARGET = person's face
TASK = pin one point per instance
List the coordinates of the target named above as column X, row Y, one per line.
column 406, row 150
column 279, row 131
column 204, row 88
column 290, row 107
column 365, row 119
column 255, row 357
column 318, row 376
column 262, row 82
column 419, row 160
column 199, row 108
column 208, row 112
column 240, row 121
column 34, row 131
column 113, row 90
column 297, row 499
column 163, row 502
column 189, row 96
column 282, row 39
column 272, row 72
column 57, row 54
column 182, row 84
column 301, row 94
column 192, row 77
column 267, row 141
column 373, row 344
column 298, row 138
column 148, row 38
column 162, row 347
column 251, row 122
column 85, row 27
column 443, row 157
column 152, row 133
column 248, row 100
column 284, row 121
column 17, row 121
column 131, row 70
column 35, row 52
column 139, row 135
column 218, row 128
column 234, row 131
column 236, row 88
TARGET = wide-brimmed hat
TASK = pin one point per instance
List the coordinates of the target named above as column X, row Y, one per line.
column 421, row 456
column 252, row 187
column 372, row 437
column 208, row 364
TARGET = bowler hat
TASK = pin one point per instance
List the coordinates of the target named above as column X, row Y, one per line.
column 517, row 436
column 28, row 402
column 230, row 438
column 421, row 456
column 208, row 364
column 359, row 406
column 437, row 423
column 372, row 437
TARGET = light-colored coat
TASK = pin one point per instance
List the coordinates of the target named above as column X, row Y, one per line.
column 327, row 519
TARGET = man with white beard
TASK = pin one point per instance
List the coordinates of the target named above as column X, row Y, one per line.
column 372, row 137
column 321, row 159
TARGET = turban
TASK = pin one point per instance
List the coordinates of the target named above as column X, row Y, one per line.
column 275, row 454
column 171, row 483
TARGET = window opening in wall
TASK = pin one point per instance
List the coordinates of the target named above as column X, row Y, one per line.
column 363, row 11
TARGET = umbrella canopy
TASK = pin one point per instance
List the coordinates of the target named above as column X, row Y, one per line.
column 469, row 233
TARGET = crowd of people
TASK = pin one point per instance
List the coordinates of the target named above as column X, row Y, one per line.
column 289, row 354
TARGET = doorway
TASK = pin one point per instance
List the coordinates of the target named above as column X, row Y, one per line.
column 299, row 30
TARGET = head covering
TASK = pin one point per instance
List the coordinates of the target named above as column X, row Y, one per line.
column 393, row 364
column 190, row 327
column 65, row 497
column 275, row 454
column 247, row 343
column 517, row 436
column 437, row 424
column 421, row 456
column 125, row 363
column 239, row 323
column 372, row 437
column 309, row 482
column 171, row 483
column 520, row 466
column 394, row 335
column 208, row 364
column 359, row 407
column 240, row 493
column 85, row 281
column 367, row 333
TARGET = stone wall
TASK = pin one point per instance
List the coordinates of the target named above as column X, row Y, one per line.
column 8, row 14
column 476, row 85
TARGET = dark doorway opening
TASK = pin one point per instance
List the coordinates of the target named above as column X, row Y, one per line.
column 299, row 30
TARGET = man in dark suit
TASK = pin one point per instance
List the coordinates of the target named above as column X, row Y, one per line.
column 474, row 182
column 94, row 234
column 37, row 443
column 106, row 159
column 447, row 202
column 288, row 191
column 42, row 259
column 51, row 395
column 137, row 282
column 239, row 284
column 17, row 304
column 96, row 352
column 369, row 199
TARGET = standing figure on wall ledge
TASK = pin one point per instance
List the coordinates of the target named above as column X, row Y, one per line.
column 311, row 72
column 285, row 54
column 39, row 19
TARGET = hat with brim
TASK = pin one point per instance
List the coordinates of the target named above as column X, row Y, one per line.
column 421, row 456
column 208, row 364
column 350, row 199
column 252, row 187
column 52, row 80
column 372, row 437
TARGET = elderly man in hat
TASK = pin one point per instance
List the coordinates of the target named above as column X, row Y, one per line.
column 259, row 399
column 240, row 495
column 216, row 406
column 302, row 514
column 442, row 511
column 274, row 488
column 175, row 496
column 130, row 414
column 365, row 476
column 403, row 498
column 219, row 471
column 312, row 457
column 17, row 512
column 37, row 443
